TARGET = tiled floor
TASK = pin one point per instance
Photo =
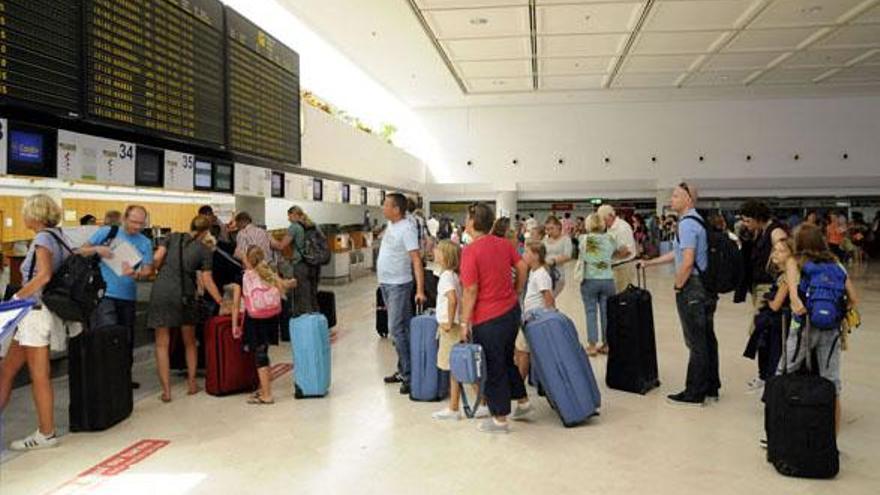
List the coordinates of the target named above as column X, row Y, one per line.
column 366, row 438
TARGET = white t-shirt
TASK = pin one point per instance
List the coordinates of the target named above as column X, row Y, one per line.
column 558, row 247
column 623, row 235
column 448, row 282
column 539, row 281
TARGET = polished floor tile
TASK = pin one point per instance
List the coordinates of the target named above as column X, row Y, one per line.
column 365, row 438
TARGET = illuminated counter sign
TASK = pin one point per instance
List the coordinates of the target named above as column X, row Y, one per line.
column 263, row 93
column 39, row 55
column 157, row 65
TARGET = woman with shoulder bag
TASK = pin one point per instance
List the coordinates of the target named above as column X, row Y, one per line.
column 39, row 328
column 183, row 262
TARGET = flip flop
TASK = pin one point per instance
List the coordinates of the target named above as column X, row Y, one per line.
column 259, row 401
column 165, row 399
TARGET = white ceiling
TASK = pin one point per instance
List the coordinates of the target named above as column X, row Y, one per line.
column 500, row 46
column 436, row 53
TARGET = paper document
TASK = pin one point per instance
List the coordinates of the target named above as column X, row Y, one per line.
column 123, row 252
column 77, row 236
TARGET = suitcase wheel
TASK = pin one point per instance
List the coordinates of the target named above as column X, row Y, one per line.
column 297, row 392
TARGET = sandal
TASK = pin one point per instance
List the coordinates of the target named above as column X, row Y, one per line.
column 165, row 398
column 260, row 401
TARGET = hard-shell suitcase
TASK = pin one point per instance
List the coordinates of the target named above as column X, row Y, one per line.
column 228, row 368
column 427, row 382
column 799, row 421
column 381, row 315
column 310, row 340
column 327, row 306
column 100, row 378
column 562, row 367
column 632, row 351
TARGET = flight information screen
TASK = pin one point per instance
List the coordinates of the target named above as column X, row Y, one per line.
column 40, row 54
column 157, row 65
column 263, row 93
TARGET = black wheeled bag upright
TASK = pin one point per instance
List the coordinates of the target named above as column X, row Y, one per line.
column 632, row 351
column 381, row 315
column 327, row 306
column 100, row 378
column 799, row 422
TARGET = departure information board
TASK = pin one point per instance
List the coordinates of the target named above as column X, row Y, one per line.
column 263, row 93
column 40, row 54
column 157, row 65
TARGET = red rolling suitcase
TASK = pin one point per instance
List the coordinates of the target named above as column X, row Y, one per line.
column 228, row 368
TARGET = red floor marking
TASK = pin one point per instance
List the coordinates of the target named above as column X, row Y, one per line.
column 93, row 477
column 280, row 369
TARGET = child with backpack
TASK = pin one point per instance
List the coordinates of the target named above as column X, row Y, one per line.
column 539, row 295
column 447, row 255
column 262, row 290
column 821, row 294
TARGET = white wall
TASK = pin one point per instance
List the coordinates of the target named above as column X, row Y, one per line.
column 334, row 147
column 343, row 214
column 772, row 131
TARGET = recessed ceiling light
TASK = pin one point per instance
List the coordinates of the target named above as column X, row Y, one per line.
column 587, row 17
column 498, row 83
column 479, row 21
column 724, row 78
column 815, row 9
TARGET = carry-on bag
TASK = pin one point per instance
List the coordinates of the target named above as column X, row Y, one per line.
column 99, row 373
column 228, row 368
column 310, row 340
column 467, row 364
column 632, row 350
column 327, row 306
column 427, row 382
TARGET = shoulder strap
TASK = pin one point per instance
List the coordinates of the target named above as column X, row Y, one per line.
column 114, row 231
column 228, row 258
column 180, row 261
column 59, row 240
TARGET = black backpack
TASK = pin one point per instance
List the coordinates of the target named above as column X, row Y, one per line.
column 724, row 271
column 316, row 251
column 76, row 288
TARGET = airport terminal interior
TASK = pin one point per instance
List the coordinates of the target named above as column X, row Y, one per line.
column 252, row 246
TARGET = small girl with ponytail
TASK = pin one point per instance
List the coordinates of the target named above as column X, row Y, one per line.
column 262, row 290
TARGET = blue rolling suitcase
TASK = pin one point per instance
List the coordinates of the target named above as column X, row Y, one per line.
column 427, row 382
column 310, row 340
column 562, row 366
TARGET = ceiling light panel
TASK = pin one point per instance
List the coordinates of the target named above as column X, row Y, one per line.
column 467, row 4
column 571, row 82
column 678, row 43
column 588, row 18
column 575, row 66
column 499, row 85
column 859, row 74
column 658, row 80
column 699, row 15
column 790, row 76
column 488, row 49
column 861, row 36
column 581, row 45
column 498, row 68
column 796, row 13
column 479, row 23
column 769, row 39
column 754, row 60
column 659, row 63
column 823, row 58
column 719, row 78
column 871, row 16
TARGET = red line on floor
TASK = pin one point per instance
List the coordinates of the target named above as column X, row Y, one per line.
column 280, row 369
column 93, row 477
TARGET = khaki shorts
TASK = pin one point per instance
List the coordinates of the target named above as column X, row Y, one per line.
column 41, row 328
column 447, row 340
column 522, row 345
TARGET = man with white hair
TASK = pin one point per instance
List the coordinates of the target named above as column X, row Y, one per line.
column 623, row 262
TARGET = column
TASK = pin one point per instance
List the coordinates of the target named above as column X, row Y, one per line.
column 505, row 204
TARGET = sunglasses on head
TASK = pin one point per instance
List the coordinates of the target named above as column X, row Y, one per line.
column 685, row 187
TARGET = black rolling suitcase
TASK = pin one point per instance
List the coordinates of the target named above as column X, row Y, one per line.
column 100, row 379
column 327, row 306
column 632, row 351
column 799, row 422
column 381, row 315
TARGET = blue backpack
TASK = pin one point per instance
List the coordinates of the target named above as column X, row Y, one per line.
column 823, row 286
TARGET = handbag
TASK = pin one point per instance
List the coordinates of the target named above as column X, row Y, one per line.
column 579, row 265
column 467, row 364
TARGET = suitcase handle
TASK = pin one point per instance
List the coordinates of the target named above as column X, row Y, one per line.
column 641, row 276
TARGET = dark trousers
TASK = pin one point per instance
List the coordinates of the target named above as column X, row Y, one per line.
column 769, row 354
column 305, row 294
column 112, row 311
column 696, row 310
column 503, row 381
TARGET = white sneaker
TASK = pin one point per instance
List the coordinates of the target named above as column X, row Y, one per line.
column 521, row 413
column 482, row 412
column 490, row 426
column 755, row 384
column 446, row 413
column 34, row 441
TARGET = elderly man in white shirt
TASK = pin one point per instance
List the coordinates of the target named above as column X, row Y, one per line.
column 624, row 266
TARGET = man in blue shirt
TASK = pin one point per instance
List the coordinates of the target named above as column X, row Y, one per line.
column 398, row 260
column 118, row 305
column 696, row 305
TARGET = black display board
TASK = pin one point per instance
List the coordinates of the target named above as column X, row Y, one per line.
column 263, row 93
column 157, row 65
column 40, row 62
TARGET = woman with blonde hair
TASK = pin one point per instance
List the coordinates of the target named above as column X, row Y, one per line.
column 305, row 295
column 596, row 250
column 41, row 328
column 183, row 262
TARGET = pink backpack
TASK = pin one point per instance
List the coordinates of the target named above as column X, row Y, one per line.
column 261, row 300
